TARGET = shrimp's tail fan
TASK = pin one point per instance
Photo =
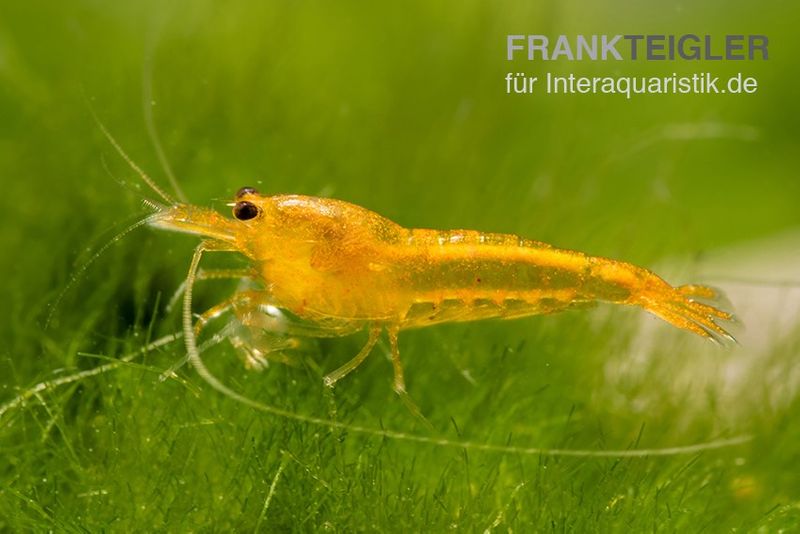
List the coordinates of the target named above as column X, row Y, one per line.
column 699, row 309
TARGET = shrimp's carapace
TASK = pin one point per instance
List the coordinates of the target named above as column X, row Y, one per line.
column 340, row 268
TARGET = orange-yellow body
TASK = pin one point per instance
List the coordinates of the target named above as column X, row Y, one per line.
column 344, row 267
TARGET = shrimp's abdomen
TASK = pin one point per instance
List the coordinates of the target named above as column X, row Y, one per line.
column 465, row 275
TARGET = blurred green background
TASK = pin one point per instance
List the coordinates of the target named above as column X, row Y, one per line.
column 401, row 108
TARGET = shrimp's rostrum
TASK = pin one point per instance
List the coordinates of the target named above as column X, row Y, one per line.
column 341, row 268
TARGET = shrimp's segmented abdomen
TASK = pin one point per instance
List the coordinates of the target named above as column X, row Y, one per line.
column 464, row 275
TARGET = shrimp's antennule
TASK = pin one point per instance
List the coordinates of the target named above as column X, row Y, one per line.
column 149, row 121
column 145, row 178
column 149, row 203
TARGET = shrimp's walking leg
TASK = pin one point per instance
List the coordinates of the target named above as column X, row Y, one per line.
column 202, row 320
column 215, row 274
column 205, row 345
column 333, row 377
column 212, row 313
column 399, row 380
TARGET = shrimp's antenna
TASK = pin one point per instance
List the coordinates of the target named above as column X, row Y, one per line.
column 152, row 132
column 82, row 269
column 146, row 179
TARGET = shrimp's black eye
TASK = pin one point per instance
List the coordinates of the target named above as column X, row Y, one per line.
column 246, row 191
column 244, row 211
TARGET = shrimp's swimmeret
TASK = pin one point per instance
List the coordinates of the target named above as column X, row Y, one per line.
column 340, row 268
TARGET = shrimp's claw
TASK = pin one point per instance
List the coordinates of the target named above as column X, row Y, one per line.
column 684, row 308
column 257, row 350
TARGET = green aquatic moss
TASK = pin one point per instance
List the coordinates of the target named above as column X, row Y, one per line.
column 400, row 108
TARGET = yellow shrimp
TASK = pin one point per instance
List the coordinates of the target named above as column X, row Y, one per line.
column 340, row 268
